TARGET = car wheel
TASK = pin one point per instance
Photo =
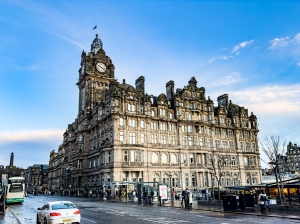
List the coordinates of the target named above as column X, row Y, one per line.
column 37, row 219
column 45, row 221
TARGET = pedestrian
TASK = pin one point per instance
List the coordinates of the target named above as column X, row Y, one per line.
column 190, row 199
column 242, row 201
column 182, row 196
column 187, row 193
column 173, row 195
column 133, row 195
column 263, row 201
column 152, row 195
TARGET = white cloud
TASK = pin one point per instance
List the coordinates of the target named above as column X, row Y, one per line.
column 279, row 42
column 298, row 63
column 212, row 60
column 233, row 78
column 225, row 57
column 284, row 42
column 224, row 49
column 30, row 136
column 241, row 45
column 270, row 100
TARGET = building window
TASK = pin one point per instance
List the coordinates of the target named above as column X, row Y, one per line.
column 142, row 138
column 173, row 140
column 125, row 156
column 134, row 156
column 241, row 145
column 201, row 141
column 132, row 138
column 185, row 158
column 154, row 157
column 193, row 180
column 155, row 177
column 173, row 158
column 152, row 113
column 108, row 157
column 217, row 132
column 121, row 122
column 233, row 161
column 224, row 145
column 131, row 107
column 132, row 123
column 163, row 139
column 210, row 117
column 163, row 126
column 183, row 128
column 171, row 116
column 121, row 136
column 191, row 158
column 201, row 130
column 253, row 147
column 248, row 147
column 187, row 180
column 142, row 124
column 154, row 138
column 223, row 133
column 200, row 117
column 208, row 131
column 251, row 161
column 217, row 144
column 153, row 125
column 246, row 161
column 184, row 141
column 231, row 145
column 190, row 139
column 164, row 158
column 210, row 144
column 190, row 128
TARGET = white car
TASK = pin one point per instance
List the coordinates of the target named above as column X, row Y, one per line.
column 58, row 212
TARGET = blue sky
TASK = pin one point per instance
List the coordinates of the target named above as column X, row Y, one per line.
column 247, row 49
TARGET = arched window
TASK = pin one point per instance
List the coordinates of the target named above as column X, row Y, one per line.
column 173, row 158
column 152, row 113
column 164, row 158
column 233, row 161
column 154, row 157
column 235, row 180
column 228, row 182
column 155, row 177
column 175, row 180
column 165, row 179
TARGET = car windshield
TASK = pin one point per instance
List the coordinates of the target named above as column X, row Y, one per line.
column 63, row 206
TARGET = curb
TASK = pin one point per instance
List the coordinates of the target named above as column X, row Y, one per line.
column 16, row 215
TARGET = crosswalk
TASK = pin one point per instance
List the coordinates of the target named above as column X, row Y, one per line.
column 143, row 217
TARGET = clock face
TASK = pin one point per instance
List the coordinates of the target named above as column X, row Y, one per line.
column 101, row 67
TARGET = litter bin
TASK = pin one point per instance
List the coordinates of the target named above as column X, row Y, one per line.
column 230, row 203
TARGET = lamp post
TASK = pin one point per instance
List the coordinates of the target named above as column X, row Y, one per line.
column 276, row 165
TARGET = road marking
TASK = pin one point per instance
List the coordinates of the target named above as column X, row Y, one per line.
column 88, row 220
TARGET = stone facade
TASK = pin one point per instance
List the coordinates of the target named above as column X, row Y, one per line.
column 290, row 163
column 36, row 177
column 122, row 133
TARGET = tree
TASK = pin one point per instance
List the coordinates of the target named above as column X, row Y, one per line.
column 273, row 147
column 218, row 163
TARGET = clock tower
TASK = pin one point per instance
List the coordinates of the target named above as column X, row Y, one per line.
column 95, row 73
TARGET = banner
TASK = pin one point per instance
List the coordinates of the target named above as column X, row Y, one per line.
column 163, row 192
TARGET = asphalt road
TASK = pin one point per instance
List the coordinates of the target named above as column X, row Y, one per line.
column 93, row 211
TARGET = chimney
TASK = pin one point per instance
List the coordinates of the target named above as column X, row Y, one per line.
column 223, row 100
column 140, row 84
column 170, row 89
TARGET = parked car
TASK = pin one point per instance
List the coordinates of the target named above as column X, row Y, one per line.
column 58, row 212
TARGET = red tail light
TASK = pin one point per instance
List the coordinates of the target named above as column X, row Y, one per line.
column 77, row 212
column 54, row 214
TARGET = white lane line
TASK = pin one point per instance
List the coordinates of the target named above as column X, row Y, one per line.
column 88, row 220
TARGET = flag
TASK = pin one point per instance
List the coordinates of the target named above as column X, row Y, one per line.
column 95, row 27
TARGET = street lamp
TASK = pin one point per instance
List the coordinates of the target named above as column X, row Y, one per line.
column 276, row 165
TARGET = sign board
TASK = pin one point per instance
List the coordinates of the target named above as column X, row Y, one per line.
column 163, row 192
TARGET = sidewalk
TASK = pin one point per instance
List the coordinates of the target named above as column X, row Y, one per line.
column 288, row 212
